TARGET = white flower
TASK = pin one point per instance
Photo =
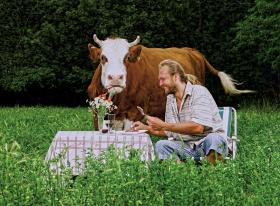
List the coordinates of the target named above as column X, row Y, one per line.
column 100, row 105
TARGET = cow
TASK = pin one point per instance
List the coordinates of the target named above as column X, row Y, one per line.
column 129, row 73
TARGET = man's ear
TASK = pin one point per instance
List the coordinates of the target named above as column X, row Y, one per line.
column 134, row 53
column 94, row 53
column 176, row 77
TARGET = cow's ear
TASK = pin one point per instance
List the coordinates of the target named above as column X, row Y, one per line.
column 134, row 53
column 94, row 53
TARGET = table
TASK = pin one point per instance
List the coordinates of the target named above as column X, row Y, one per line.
column 69, row 149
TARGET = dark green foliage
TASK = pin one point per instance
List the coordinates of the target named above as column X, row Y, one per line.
column 44, row 56
column 256, row 47
column 47, row 53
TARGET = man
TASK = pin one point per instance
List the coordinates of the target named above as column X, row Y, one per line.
column 192, row 121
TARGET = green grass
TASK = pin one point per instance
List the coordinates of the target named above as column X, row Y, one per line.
column 26, row 133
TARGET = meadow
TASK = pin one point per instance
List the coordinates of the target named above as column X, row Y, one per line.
column 253, row 178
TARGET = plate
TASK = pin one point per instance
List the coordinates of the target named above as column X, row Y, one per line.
column 132, row 132
column 136, row 132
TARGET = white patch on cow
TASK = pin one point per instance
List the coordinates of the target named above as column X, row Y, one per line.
column 114, row 71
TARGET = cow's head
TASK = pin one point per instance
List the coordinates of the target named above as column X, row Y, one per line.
column 114, row 55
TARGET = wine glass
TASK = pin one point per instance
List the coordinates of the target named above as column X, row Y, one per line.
column 110, row 122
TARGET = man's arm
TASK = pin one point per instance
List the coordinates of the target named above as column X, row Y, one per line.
column 185, row 128
column 182, row 127
column 159, row 133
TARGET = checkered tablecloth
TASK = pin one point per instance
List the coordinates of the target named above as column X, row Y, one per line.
column 69, row 149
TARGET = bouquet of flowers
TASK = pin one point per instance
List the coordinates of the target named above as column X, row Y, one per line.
column 100, row 105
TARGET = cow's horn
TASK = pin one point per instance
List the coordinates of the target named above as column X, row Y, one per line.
column 96, row 40
column 135, row 42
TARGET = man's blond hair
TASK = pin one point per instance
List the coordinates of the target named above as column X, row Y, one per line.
column 176, row 68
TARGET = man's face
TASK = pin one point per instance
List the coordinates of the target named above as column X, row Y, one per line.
column 166, row 81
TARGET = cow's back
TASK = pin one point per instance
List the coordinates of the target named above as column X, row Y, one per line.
column 191, row 59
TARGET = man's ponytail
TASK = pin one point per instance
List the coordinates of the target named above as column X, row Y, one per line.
column 192, row 79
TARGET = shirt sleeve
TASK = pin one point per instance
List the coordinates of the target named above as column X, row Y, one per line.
column 201, row 111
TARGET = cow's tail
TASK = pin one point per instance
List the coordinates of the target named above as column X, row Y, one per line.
column 227, row 81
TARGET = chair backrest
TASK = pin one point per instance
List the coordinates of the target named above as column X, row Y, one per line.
column 226, row 115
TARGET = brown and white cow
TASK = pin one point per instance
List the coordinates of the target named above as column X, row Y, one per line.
column 129, row 73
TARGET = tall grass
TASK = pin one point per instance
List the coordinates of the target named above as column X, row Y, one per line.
column 26, row 133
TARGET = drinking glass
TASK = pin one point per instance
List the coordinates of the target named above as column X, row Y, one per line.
column 110, row 123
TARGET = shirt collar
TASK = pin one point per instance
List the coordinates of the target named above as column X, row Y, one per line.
column 189, row 89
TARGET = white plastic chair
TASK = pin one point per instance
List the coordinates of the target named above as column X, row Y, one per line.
column 229, row 117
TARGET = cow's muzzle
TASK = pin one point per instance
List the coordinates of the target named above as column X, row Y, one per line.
column 115, row 89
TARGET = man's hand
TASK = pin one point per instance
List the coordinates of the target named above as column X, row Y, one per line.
column 156, row 123
column 139, row 126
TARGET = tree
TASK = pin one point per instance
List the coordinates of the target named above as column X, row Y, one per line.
column 257, row 47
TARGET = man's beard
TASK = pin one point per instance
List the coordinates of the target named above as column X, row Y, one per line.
column 172, row 90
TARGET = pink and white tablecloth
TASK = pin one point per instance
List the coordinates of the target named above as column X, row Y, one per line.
column 69, row 149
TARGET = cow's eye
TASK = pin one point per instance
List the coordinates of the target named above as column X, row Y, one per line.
column 126, row 58
column 103, row 59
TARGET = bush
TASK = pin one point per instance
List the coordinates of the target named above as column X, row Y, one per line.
column 44, row 52
column 256, row 48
